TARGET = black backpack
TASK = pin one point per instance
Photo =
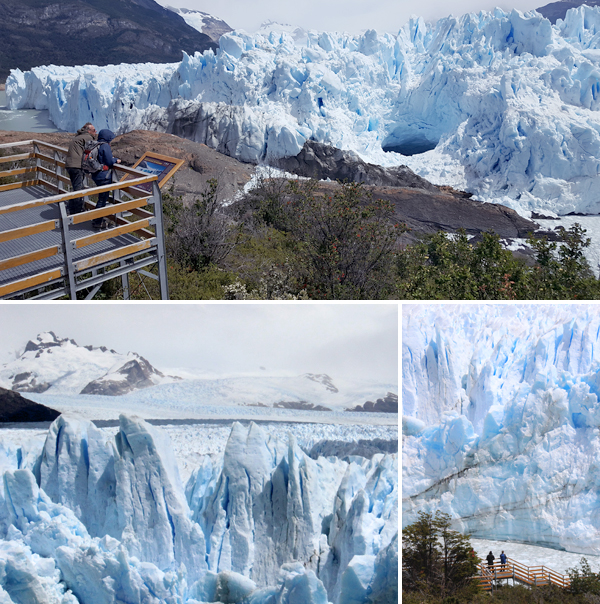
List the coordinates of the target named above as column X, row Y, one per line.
column 89, row 159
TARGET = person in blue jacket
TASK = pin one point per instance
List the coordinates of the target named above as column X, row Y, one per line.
column 104, row 177
column 503, row 559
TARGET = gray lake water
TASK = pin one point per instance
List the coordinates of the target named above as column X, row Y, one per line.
column 24, row 120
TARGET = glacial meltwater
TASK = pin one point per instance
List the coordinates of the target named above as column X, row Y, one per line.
column 24, row 120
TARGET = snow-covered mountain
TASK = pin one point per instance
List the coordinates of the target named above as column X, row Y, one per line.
column 203, row 22
column 501, row 416
column 58, row 367
column 97, row 519
column 54, row 365
column 503, row 105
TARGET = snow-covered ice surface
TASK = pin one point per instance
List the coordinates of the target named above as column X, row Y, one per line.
column 531, row 555
column 501, row 104
column 501, row 420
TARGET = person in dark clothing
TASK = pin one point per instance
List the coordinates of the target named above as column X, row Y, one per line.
column 503, row 559
column 104, row 176
column 73, row 163
column 490, row 560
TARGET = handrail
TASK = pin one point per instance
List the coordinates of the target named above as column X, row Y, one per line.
column 47, row 161
column 530, row 575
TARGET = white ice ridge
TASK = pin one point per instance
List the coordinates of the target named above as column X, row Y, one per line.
column 501, row 420
column 97, row 520
column 504, row 105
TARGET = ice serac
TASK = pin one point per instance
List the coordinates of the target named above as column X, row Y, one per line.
column 128, row 489
column 501, row 104
column 77, row 469
column 273, row 505
column 46, row 546
column 518, row 461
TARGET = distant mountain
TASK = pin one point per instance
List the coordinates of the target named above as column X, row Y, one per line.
column 558, row 10
column 95, row 32
column 213, row 27
column 55, row 365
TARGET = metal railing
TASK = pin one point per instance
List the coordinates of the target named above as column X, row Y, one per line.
column 136, row 210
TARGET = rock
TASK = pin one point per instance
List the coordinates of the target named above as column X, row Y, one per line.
column 388, row 404
column 16, row 408
column 320, row 161
column 322, row 378
column 300, row 406
column 133, row 375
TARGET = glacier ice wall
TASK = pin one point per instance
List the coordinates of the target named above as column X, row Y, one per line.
column 502, row 420
column 104, row 520
column 504, row 105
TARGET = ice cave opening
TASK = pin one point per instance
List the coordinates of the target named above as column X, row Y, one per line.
column 409, row 141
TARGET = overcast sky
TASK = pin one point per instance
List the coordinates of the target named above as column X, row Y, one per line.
column 341, row 15
column 342, row 340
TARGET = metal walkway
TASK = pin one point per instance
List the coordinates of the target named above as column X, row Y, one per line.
column 46, row 254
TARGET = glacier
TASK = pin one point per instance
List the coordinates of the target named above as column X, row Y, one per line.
column 501, row 104
column 501, row 420
column 97, row 519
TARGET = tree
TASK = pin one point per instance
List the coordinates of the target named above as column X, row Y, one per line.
column 583, row 579
column 436, row 559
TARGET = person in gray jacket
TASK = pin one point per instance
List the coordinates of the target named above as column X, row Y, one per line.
column 73, row 163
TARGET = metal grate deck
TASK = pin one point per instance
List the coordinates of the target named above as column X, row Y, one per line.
column 39, row 241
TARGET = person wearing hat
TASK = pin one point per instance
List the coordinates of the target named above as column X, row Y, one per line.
column 104, row 176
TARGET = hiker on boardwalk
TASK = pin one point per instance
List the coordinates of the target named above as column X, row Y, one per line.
column 503, row 560
column 104, row 176
column 84, row 135
column 490, row 560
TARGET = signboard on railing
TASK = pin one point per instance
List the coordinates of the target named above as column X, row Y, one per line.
column 152, row 163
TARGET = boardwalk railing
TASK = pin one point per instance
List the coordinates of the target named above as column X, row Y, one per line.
column 527, row 575
column 136, row 211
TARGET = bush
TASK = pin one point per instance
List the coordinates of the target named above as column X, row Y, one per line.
column 345, row 242
column 201, row 234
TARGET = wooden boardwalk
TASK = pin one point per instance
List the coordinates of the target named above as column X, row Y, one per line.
column 47, row 254
column 492, row 576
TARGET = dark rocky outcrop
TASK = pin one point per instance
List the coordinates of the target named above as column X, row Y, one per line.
column 300, row 406
column 320, row 161
column 133, row 375
column 388, row 404
column 16, row 408
column 80, row 32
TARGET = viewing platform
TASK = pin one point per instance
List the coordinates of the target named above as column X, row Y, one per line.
column 47, row 254
column 492, row 576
